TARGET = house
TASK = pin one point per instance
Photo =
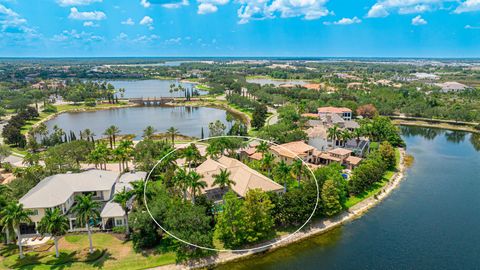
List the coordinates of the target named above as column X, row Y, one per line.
column 288, row 152
column 452, row 86
column 343, row 112
column 339, row 155
column 112, row 213
column 245, row 178
column 250, row 153
column 59, row 191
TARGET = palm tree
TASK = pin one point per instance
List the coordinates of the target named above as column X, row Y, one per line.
column 31, row 159
column 345, row 136
column 223, row 179
column 213, row 151
column 298, row 170
column 122, row 198
column 99, row 156
column 333, row 134
column 123, row 154
column 4, row 152
column 86, row 210
column 172, row 132
column 357, row 133
column 191, row 154
column 267, row 163
column 148, row 132
column 262, row 147
column 283, row 172
column 112, row 133
column 54, row 223
column 181, row 181
column 87, row 134
column 139, row 192
column 12, row 216
column 196, row 184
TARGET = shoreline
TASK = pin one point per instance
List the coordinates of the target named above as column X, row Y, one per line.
column 425, row 124
column 316, row 228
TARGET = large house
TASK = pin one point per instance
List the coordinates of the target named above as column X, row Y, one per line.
column 345, row 113
column 288, row 152
column 245, row 178
column 59, row 191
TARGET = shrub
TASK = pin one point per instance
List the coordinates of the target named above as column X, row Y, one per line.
column 49, row 108
column 90, row 102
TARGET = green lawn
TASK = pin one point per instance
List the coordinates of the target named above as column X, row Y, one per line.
column 111, row 253
column 353, row 200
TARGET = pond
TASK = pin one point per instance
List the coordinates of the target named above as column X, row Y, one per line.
column 431, row 221
column 276, row 82
column 188, row 120
column 151, row 88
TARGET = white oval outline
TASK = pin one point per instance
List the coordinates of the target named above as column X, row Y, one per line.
column 232, row 250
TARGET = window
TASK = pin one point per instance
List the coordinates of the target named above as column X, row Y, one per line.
column 34, row 212
column 119, row 222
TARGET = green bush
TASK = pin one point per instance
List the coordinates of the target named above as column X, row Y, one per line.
column 118, row 229
column 49, row 109
column 90, row 102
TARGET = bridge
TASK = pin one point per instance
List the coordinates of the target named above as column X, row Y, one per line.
column 155, row 101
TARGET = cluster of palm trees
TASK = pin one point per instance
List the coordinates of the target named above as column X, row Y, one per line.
column 336, row 134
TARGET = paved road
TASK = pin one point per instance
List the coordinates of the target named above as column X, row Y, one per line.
column 273, row 119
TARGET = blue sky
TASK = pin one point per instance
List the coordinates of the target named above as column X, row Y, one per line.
column 315, row 28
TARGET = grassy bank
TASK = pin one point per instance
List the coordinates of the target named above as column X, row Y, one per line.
column 353, row 200
column 111, row 253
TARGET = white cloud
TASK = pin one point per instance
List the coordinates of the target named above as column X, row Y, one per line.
column 419, row 21
column 65, row 3
column 345, row 21
column 263, row 9
column 86, row 16
column 468, row 26
column 145, row 39
column 13, row 24
column 176, row 4
column 468, row 6
column 74, row 36
column 128, row 21
column 205, row 8
column 377, row 11
column 148, row 21
column 145, row 3
column 383, row 8
column 173, row 41
column 121, row 36
column 90, row 24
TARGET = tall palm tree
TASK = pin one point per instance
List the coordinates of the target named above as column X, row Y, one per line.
column 54, row 223
column 298, row 170
column 12, row 216
column 122, row 198
column 148, row 132
column 262, row 147
column 223, row 179
column 87, row 134
column 112, row 133
column 86, row 210
column 181, row 181
column 333, row 133
column 172, row 132
column 196, row 184
column 345, row 136
column 123, row 153
column 283, row 171
column 213, row 151
column 99, row 156
column 267, row 162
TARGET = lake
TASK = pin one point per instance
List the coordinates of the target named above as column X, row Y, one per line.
column 188, row 120
column 431, row 221
column 151, row 88
column 276, row 82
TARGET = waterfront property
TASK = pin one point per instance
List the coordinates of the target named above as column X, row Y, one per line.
column 59, row 191
column 244, row 178
column 288, row 152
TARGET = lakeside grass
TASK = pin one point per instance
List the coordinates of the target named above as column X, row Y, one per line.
column 353, row 200
column 111, row 253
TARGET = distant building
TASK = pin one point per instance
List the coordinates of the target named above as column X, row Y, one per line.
column 343, row 112
column 452, row 86
column 426, row 76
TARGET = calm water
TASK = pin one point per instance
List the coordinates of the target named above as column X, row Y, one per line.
column 276, row 82
column 151, row 88
column 188, row 120
column 431, row 221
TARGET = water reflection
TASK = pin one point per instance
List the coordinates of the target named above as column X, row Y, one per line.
column 453, row 136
